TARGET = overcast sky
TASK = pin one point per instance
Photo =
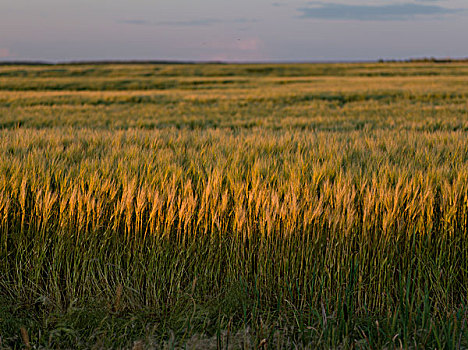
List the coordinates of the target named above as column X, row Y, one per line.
column 232, row 30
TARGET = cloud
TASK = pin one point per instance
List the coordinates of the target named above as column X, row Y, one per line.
column 252, row 44
column 188, row 23
column 4, row 52
column 389, row 12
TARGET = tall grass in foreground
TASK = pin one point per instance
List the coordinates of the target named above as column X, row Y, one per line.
column 324, row 238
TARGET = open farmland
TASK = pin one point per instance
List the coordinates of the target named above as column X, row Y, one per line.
column 230, row 206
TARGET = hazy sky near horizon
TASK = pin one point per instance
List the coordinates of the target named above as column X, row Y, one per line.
column 240, row 30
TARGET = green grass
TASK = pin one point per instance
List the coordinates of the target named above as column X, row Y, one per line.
column 234, row 206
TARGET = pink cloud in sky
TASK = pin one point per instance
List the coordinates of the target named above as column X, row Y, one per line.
column 4, row 52
column 251, row 44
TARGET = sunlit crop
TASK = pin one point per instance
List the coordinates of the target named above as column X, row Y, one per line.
column 315, row 205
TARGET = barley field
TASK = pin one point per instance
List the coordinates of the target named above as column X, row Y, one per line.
column 234, row 206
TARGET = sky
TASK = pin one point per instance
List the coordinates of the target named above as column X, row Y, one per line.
column 232, row 30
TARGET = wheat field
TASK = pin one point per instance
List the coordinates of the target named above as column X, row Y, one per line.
column 234, row 206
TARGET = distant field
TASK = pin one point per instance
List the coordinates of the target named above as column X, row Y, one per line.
column 234, row 206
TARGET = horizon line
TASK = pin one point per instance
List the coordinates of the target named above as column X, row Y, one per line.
column 221, row 62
